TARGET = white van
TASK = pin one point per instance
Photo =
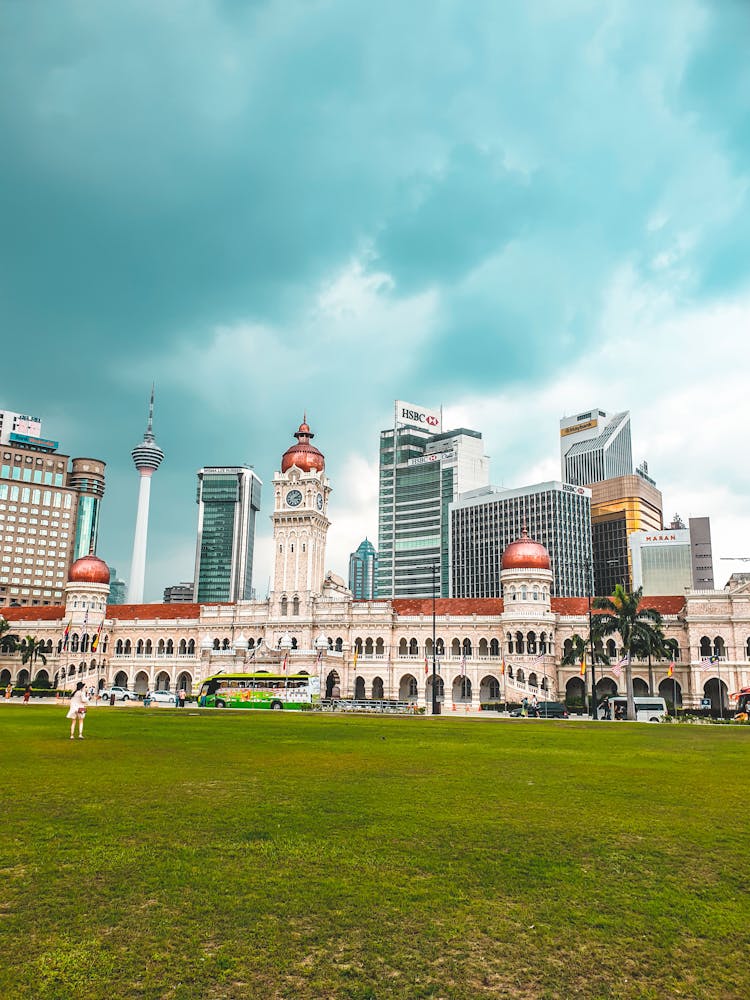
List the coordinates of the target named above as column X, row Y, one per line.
column 646, row 709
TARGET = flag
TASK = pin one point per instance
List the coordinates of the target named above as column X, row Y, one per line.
column 356, row 657
column 426, row 666
column 320, row 655
column 95, row 640
column 617, row 667
column 708, row 661
column 583, row 665
column 670, row 672
column 283, row 665
column 66, row 636
column 502, row 666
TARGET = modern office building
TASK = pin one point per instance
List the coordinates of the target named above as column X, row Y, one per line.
column 228, row 499
column 147, row 457
column 422, row 471
column 363, row 567
column 484, row 522
column 179, row 593
column 619, row 507
column 49, row 512
column 594, row 446
column 117, row 588
column 674, row 559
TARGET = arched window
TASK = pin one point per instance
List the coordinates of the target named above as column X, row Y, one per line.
column 523, row 593
column 531, row 642
column 535, row 593
column 483, row 647
column 149, row 647
column 225, row 644
column 217, row 644
column 466, row 649
column 191, row 647
column 509, row 640
column 160, row 647
column 379, row 647
column 402, row 648
column 118, row 647
column 720, row 648
column 128, row 647
column 84, row 642
column 440, row 647
column 533, row 681
column 413, row 647
column 567, row 647
column 358, row 646
column 545, row 594
column 494, row 647
column 368, row 646
column 543, row 643
column 74, row 643
column 509, row 671
column 295, row 606
column 339, row 645
column 284, row 607
column 519, row 675
column 519, row 642
column 104, row 644
column 413, row 689
column 294, row 643
column 139, row 648
column 182, row 648
column 747, row 649
column 170, row 647
column 611, row 648
column 456, row 648
column 493, row 689
column 512, row 593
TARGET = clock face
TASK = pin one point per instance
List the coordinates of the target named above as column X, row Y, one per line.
column 293, row 498
column 319, row 501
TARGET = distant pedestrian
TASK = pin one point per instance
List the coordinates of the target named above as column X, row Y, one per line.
column 8, row 691
column 77, row 710
column 181, row 697
column 26, row 694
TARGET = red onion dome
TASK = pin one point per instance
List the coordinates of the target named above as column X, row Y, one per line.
column 525, row 553
column 303, row 454
column 89, row 569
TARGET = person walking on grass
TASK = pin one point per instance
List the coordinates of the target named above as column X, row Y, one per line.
column 26, row 694
column 8, row 692
column 77, row 710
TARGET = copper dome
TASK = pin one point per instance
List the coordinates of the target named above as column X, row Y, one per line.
column 525, row 553
column 89, row 569
column 303, row 454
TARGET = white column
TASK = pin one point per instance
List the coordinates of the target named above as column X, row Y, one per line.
column 138, row 565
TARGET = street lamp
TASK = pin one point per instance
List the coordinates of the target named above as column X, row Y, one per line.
column 590, row 575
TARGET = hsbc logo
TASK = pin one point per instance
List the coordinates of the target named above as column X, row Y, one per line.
column 419, row 417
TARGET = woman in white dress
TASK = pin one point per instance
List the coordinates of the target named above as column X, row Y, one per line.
column 77, row 710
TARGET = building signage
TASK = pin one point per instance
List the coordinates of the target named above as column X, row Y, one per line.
column 28, row 425
column 668, row 536
column 425, row 459
column 581, row 491
column 418, row 416
column 36, row 441
column 575, row 428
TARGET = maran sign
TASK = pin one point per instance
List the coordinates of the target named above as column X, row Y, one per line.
column 418, row 416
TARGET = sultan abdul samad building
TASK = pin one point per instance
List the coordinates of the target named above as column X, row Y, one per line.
column 311, row 618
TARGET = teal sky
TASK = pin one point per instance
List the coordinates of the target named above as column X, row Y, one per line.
column 515, row 210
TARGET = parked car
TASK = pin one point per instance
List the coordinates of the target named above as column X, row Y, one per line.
column 162, row 697
column 120, row 693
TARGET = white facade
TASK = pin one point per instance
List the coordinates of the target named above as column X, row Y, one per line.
column 595, row 446
column 661, row 560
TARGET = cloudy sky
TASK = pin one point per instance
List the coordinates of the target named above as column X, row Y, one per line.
column 516, row 210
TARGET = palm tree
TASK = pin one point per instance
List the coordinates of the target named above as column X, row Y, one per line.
column 648, row 643
column 578, row 647
column 32, row 650
column 8, row 641
column 623, row 615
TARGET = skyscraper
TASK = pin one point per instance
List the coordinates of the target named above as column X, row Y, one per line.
column 595, row 446
column 49, row 512
column 117, row 588
column 147, row 457
column 619, row 507
column 363, row 567
column 228, row 499
column 484, row 522
column 422, row 471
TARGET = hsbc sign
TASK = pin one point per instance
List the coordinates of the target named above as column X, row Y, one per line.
column 418, row 416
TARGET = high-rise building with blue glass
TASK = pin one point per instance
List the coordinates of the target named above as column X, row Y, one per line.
column 228, row 499
column 363, row 567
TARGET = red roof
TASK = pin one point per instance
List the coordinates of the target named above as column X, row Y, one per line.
column 460, row 606
column 146, row 612
column 580, row 605
column 53, row 612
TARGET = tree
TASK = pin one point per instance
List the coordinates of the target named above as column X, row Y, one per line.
column 32, row 650
column 8, row 641
column 623, row 615
column 649, row 644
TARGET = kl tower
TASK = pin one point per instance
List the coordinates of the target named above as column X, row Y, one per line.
column 147, row 457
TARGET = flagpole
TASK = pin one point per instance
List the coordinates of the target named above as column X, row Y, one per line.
column 674, row 692
column 434, row 666
column 594, row 714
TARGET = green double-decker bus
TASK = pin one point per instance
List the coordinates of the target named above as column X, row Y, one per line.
column 260, row 690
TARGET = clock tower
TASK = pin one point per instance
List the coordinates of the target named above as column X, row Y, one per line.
column 300, row 523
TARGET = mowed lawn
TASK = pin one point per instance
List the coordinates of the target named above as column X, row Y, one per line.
column 176, row 854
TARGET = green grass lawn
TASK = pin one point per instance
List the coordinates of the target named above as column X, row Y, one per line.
column 181, row 855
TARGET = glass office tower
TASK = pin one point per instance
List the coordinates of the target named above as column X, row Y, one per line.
column 363, row 567
column 421, row 474
column 228, row 499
